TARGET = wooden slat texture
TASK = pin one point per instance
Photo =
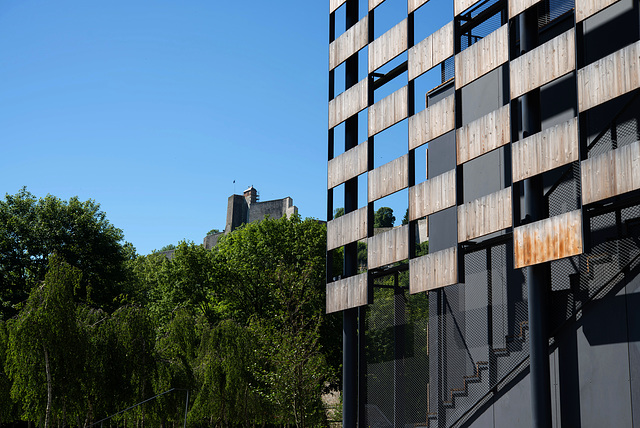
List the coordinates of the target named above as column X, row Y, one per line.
column 587, row 8
column 543, row 64
column 484, row 215
column 348, row 228
column 460, row 6
column 432, row 122
column 347, row 293
column 388, row 111
column 612, row 173
column 432, row 195
column 483, row 135
column 423, row 231
column 388, row 178
column 388, row 247
column 335, row 4
column 433, row 270
column 431, row 51
column 348, row 103
column 482, row 57
column 545, row 150
column 413, row 5
column 346, row 166
column 374, row 3
column 609, row 77
column 551, row 239
column 388, row 46
column 518, row 6
column 350, row 42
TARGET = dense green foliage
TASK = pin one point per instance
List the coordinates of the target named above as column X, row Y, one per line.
column 383, row 217
column 89, row 329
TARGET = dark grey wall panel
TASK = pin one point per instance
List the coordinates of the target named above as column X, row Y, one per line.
column 633, row 302
column 443, row 230
column 603, row 364
column 514, row 408
column 558, row 101
column 442, row 155
column 484, row 175
column 617, row 19
column 485, row 95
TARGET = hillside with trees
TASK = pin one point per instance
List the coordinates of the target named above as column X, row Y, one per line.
column 89, row 328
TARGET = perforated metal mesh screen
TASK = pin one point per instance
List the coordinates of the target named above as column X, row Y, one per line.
column 622, row 130
column 397, row 355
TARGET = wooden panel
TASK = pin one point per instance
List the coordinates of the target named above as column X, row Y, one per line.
column 482, row 57
column 433, row 270
column 348, row 228
column 543, row 64
column 374, row 3
column 347, row 293
column 545, row 150
column 422, row 232
column 431, row 51
column 348, row 103
column 609, row 77
column 551, row 239
column 388, row 46
column 460, row 6
column 388, row 247
column 432, row 195
column 518, row 6
column 586, row 8
column 485, row 215
column 483, row 135
column 432, row 122
column 335, row 4
column 388, row 111
column 413, row 5
column 350, row 42
column 612, row 173
column 348, row 165
column 388, row 178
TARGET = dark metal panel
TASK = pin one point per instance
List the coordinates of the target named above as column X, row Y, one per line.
column 514, row 408
column 442, row 154
column 633, row 323
column 484, row 95
column 603, row 364
column 443, row 230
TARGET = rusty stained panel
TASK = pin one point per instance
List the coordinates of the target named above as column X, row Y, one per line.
column 550, row 239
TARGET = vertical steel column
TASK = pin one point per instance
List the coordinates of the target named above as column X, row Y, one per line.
column 350, row 316
column 537, row 278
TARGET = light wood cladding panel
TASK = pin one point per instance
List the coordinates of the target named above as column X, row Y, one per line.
column 347, row 293
column 518, row 6
column 431, row 51
column 348, row 165
column 388, row 178
column 482, row 57
column 484, row 215
column 388, row 46
column 413, row 5
column 587, row 8
column 545, row 150
column 335, row 4
column 551, row 239
column 609, row 77
column 388, row 247
column 432, row 122
column 347, row 228
column 483, row 135
column 348, row 103
column 460, row 6
column 434, row 270
column 349, row 43
column 612, row 173
column 432, row 195
column 388, row 111
column 543, row 64
column 374, row 3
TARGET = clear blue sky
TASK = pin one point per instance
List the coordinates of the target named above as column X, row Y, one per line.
column 154, row 108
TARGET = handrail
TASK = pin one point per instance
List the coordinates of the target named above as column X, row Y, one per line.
column 615, row 118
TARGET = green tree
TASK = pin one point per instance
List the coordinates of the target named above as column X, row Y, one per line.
column 32, row 229
column 43, row 345
column 405, row 219
column 338, row 212
column 168, row 247
column 383, row 217
column 212, row 232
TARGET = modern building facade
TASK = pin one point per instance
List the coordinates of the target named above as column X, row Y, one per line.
column 513, row 129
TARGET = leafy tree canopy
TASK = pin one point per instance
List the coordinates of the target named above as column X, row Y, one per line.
column 32, row 229
column 168, row 247
column 213, row 232
column 384, row 217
